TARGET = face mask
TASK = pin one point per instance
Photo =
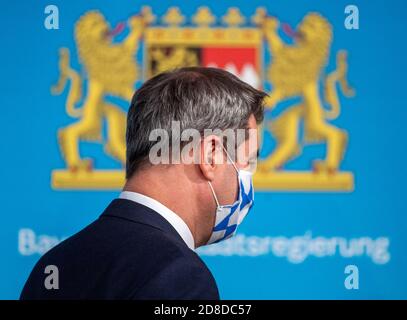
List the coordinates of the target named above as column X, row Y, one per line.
column 228, row 217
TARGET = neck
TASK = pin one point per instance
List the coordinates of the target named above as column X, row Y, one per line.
column 158, row 182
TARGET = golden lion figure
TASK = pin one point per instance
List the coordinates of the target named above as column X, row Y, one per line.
column 111, row 70
column 295, row 72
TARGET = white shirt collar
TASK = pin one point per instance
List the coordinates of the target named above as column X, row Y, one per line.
column 179, row 225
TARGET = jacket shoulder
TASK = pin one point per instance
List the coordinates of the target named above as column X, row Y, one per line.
column 114, row 259
column 183, row 276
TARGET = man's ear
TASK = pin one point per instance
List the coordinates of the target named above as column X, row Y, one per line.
column 210, row 156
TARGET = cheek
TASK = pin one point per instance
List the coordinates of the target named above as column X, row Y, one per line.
column 232, row 185
column 227, row 186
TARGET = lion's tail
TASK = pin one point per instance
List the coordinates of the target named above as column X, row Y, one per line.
column 330, row 92
column 75, row 91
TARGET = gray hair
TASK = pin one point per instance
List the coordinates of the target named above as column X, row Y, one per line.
column 199, row 98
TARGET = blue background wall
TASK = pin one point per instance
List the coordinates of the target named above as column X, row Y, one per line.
column 374, row 119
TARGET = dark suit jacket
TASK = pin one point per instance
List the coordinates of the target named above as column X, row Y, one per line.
column 130, row 252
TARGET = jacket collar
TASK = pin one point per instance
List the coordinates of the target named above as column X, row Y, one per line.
column 138, row 213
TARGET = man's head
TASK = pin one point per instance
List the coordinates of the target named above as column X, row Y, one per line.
column 202, row 99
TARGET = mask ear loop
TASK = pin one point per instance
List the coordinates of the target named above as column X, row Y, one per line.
column 210, row 184
column 214, row 195
column 230, row 159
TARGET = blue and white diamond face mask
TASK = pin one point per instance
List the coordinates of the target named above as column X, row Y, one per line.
column 228, row 217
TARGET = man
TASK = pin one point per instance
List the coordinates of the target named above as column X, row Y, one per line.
column 142, row 246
